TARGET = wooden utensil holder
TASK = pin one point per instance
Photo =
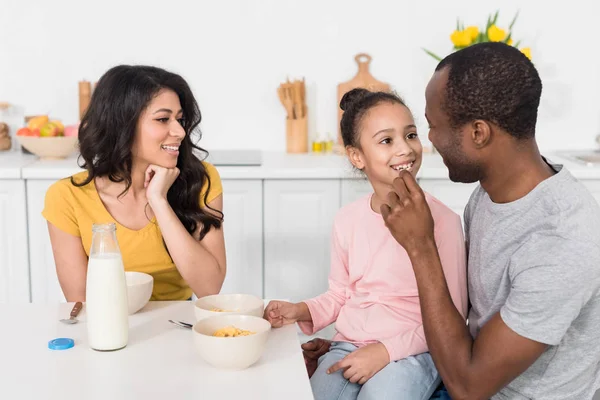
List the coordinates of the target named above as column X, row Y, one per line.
column 297, row 135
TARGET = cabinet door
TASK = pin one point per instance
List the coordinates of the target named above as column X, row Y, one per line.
column 354, row 189
column 297, row 229
column 14, row 262
column 242, row 206
column 44, row 282
column 454, row 195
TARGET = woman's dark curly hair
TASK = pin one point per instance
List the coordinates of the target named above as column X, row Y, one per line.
column 108, row 128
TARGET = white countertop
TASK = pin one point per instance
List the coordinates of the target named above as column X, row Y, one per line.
column 275, row 165
column 12, row 162
column 159, row 361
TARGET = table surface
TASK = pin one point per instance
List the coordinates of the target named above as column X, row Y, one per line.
column 159, row 362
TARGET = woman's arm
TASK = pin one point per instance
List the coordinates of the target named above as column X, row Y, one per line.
column 202, row 263
column 71, row 263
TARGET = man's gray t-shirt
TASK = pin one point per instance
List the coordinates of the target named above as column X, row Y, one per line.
column 537, row 261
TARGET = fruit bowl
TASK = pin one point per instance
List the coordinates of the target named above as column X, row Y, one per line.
column 53, row 147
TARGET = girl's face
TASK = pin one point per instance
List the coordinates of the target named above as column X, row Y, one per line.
column 159, row 131
column 388, row 143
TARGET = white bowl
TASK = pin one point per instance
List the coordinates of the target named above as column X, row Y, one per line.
column 233, row 304
column 231, row 352
column 139, row 290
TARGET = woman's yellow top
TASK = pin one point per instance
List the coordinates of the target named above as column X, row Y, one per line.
column 75, row 209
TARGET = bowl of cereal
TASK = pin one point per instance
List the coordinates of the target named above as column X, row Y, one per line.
column 231, row 341
column 228, row 304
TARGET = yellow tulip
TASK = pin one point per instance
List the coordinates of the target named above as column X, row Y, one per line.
column 461, row 38
column 473, row 32
column 496, row 34
column 510, row 42
column 527, row 52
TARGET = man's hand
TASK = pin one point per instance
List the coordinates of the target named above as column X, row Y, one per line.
column 312, row 351
column 407, row 214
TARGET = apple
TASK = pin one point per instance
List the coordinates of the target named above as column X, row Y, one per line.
column 72, row 130
column 61, row 127
column 49, row 129
column 25, row 132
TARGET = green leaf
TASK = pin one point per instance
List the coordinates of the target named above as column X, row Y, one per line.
column 432, row 54
column 507, row 38
column 495, row 18
column 457, row 24
column 489, row 23
column 517, row 44
column 513, row 21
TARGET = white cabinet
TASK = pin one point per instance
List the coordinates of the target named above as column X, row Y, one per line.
column 14, row 263
column 277, row 235
column 297, row 229
column 452, row 194
column 242, row 206
column 44, row 281
column 354, row 189
column 243, row 240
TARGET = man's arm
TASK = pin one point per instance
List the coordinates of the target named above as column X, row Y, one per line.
column 470, row 369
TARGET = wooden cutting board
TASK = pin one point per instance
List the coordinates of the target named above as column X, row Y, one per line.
column 363, row 79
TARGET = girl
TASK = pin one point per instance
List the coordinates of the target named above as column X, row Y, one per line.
column 379, row 350
column 142, row 175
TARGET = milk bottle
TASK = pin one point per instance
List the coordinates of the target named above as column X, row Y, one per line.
column 106, row 292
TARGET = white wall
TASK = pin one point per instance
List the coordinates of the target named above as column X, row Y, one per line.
column 235, row 53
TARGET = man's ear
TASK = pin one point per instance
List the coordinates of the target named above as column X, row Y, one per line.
column 355, row 156
column 481, row 133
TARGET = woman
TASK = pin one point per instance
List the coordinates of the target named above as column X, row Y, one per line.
column 135, row 141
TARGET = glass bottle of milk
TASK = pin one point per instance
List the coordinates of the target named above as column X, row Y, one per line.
column 106, row 292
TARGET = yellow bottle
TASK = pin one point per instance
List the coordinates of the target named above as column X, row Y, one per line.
column 323, row 143
column 329, row 144
column 316, row 144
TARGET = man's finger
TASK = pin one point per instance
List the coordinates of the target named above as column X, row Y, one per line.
column 309, row 346
column 410, row 182
column 385, row 211
column 400, row 188
column 393, row 200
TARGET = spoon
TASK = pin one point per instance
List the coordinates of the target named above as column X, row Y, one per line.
column 76, row 308
column 181, row 324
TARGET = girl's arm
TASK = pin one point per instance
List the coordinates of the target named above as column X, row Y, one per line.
column 324, row 309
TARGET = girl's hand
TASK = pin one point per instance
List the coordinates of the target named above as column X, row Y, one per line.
column 360, row 365
column 280, row 313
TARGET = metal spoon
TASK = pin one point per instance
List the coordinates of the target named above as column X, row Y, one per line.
column 181, row 324
column 74, row 312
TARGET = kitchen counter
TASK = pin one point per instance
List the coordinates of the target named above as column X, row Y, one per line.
column 159, row 362
column 12, row 163
column 275, row 165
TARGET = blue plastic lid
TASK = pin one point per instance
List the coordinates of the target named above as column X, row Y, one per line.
column 61, row 344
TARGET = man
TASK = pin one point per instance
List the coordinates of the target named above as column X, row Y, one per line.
column 533, row 237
